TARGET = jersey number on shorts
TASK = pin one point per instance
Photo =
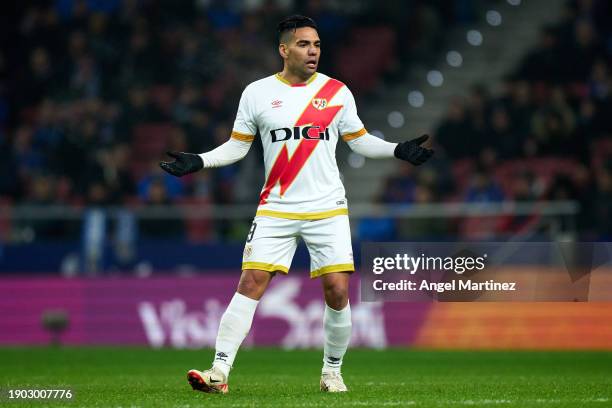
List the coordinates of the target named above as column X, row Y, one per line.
column 251, row 232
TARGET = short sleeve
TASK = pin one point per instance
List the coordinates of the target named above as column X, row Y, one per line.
column 350, row 126
column 244, row 126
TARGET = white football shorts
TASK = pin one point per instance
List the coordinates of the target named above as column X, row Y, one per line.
column 271, row 244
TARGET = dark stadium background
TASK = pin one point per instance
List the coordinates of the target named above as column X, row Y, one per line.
column 516, row 94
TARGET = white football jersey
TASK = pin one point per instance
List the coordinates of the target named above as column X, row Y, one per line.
column 299, row 126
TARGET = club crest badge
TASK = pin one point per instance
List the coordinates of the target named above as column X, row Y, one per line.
column 319, row 103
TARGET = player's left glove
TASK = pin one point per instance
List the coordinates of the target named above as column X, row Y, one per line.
column 413, row 152
column 185, row 163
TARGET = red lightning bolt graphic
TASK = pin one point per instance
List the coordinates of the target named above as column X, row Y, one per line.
column 285, row 170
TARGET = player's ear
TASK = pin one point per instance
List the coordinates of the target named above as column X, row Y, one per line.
column 283, row 50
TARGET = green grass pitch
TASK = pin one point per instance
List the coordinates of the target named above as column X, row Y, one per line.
column 139, row 377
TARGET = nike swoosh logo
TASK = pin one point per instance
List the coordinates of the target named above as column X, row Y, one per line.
column 214, row 381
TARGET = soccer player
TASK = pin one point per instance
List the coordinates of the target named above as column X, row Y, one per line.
column 299, row 115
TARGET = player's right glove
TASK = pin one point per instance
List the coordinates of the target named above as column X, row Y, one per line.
column 184, row 163
column 413, row 152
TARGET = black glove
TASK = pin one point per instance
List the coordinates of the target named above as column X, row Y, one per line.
column 185, row 163
column 412, row 151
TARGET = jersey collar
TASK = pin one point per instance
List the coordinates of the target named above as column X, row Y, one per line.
column 284, row 81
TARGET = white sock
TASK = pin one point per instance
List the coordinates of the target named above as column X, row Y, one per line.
column 337, row 325
column 233, row 328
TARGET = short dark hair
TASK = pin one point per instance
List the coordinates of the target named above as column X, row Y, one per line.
column 294, row 22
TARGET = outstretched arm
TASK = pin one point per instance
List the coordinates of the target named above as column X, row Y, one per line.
column 234, row 149
column 375, row 148
column 185, row 163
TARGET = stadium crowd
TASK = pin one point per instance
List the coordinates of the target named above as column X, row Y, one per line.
column 547, row 136
column 96, row 91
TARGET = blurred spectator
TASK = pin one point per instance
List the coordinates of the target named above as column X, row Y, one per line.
column 40, row 79
column 162, row 227
column 138, row 109
column 456, row 135
column 521, row 108
column 483, row 189
column 399, row 188
column 524, row 191
column 10, row 183
column 542, row 63
column 97, row 194
column 478, row 110
column 48, row 133
column 582, row 52
column 202, row 185
column 524, row 187
column 140, row 55
column 173, row 186
column 422, row 228
column 603, row 205
column 41, row 196
column 200, row 137
column 189, row 101
column 562, row 188
column 116, row 174
column 85, row 81
column 28, row 158
column 553, row 126
column 501, row 135
column 600, row 83
column 377, row 229
column 76, row 155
